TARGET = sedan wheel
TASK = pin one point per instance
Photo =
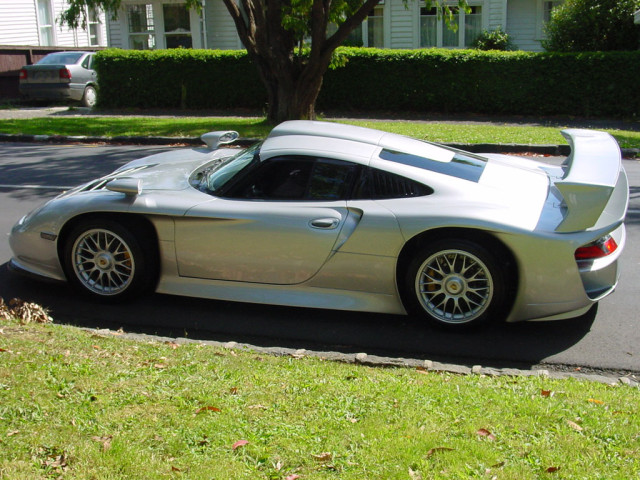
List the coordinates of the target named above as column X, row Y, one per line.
column 90, row 96
column 456, row 283
column 105, row 260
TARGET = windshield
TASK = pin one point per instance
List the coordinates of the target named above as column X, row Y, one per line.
column 219, row 174
column 61, row 58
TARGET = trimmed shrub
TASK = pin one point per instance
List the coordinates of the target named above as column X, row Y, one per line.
column 433, row 80
column 493, row 40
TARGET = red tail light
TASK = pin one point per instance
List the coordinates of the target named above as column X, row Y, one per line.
column 23, row 74
column 65, row 73
column 603, row 247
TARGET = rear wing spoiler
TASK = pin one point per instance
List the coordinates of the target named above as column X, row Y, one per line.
column 594, row 187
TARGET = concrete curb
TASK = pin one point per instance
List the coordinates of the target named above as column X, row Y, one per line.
column 374, row 360
column 553, row 150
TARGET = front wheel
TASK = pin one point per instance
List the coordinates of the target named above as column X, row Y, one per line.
column 456, row 283
column 104, row 259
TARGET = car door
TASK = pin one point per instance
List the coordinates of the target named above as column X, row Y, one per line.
column 278, row 225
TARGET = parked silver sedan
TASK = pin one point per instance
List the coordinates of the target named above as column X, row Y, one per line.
column 341, row 217
column 61, row 76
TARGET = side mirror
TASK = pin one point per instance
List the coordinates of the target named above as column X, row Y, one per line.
column 128, row 186
column 215, row 139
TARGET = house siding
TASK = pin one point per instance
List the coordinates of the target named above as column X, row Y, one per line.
column 19, row 25
column 521, row 24
column 402, row 24
column 221, row 30
column 519, row 18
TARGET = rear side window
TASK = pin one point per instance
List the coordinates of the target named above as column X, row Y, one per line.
column 376, row 184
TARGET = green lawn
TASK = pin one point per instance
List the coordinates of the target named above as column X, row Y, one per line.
column 82, row 405
column 254, row 127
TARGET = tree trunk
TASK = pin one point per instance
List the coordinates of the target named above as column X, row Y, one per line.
column 290, row 96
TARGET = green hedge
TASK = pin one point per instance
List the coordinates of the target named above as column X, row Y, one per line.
column 435, row 80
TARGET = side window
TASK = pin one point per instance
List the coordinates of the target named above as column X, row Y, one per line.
column 376, row 184
column 297, row 178
column 86, row 63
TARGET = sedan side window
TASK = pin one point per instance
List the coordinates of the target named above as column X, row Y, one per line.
column 86, row 63
column 297, row 178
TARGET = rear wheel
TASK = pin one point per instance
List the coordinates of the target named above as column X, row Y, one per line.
column 456, row 283
column 89, row 97
column 104, row 259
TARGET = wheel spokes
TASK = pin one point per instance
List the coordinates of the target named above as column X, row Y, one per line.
column 454, row 286
column 103, row 262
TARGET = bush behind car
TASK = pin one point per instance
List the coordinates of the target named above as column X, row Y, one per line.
column 433, row 80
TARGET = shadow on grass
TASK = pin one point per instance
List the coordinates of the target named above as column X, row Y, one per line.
column 517, row 346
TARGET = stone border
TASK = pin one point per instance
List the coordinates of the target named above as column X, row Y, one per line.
column 374, row 360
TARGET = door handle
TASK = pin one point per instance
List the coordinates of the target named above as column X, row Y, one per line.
column 325, row 223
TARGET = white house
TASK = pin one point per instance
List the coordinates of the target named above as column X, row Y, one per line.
column 35, row 23
column 152, row 24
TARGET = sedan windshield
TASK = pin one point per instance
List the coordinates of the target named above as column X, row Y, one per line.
column 61, row 58
column 219, row 175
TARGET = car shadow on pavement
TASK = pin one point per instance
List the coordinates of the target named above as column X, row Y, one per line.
column 515, row 346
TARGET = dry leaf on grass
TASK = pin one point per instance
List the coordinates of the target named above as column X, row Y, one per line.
column 239, row 443
column 208, row 409
column 575, row 426
column 438, row 449
column 483, row 432
column 26, row 312
column 322, row 457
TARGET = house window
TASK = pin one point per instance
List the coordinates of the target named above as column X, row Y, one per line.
column 177, row 26
column 45, row 23
column 434, row 31
column 95, row 33
column 371, row 32
column 141, row 27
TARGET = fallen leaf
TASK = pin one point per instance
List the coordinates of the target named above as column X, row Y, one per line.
column 483, row 432
column 239, row 443
column 293, row 476
column 546, row 393
column 12, row 433
column 233, row 390
column 173, row 345
column 575, row 426
column 322, row 457
column 261, row 407
column 414, row 475
column 208, row 409
column 175, row 469
column 96, row 347
column 106, row 441
column 552, row 469
column 438, row 449
column 159, row 366
column 4, row 350
column 593, row 400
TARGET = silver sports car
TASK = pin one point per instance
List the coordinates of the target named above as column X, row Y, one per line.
column 334, row 216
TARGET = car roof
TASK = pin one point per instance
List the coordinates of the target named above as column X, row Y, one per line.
column 335, row 136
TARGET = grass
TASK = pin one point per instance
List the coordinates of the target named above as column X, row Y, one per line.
column 82, row 405
column 256, row 127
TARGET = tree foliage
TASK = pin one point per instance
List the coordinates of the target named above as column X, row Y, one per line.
column 593, row 25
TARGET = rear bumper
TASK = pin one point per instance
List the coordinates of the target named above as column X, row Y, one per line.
column 52, row 91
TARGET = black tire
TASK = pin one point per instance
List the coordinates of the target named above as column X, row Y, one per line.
column 456, row 283
column 89, row 97
column 104, row 259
